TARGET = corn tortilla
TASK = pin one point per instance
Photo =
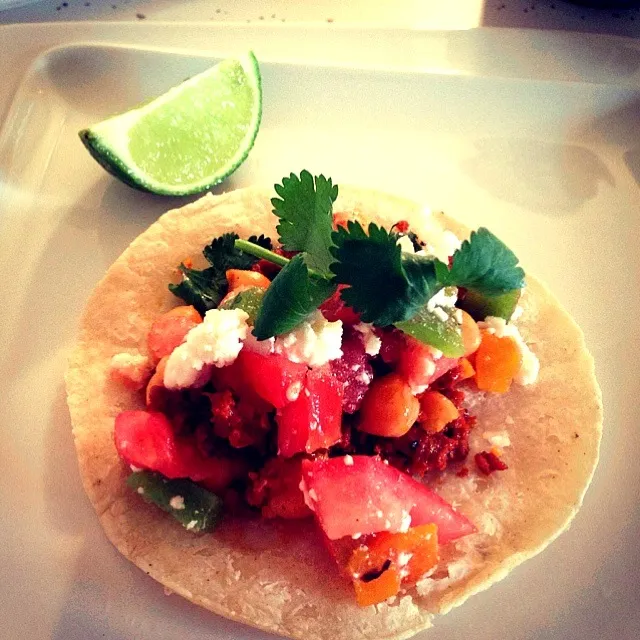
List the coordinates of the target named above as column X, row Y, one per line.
column 276, row 575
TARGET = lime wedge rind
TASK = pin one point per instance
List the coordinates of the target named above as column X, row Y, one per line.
column 108, row 141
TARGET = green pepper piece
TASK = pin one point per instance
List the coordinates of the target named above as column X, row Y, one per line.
column 195, row 508
column 427, row 327
column 479, row 305
column 249, row 300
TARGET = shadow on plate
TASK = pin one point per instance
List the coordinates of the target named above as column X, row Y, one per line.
column 553, row 179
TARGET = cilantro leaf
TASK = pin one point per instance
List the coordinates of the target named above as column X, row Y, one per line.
column 305, row 212
column 483, row 264
column 204, row 289
column 290, row 299
column 385, row 285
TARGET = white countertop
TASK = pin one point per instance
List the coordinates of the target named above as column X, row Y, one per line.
column 430, row 14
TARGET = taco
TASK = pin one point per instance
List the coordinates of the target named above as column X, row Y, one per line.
column 504, row 459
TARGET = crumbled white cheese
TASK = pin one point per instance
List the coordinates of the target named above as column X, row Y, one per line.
column 446, row 297
column 405, row 244
column 517, row 312
column 134, row 370
column 293, row 391
column 191, row 525
column 441, row 314
column 134, row 468
column 216, row 341
column 379, row 513
column 356, row 536
column 498, row 439
column 314, row 342
column 177, row 503
column 405, row 523
column 458, row 316
column 348, row 460
column 364, row 377
column 387, row 524
column 404, row 558
column 263, row 347
column 313, row 495
column 371, row 341
column 530, row 366
column 140, row 490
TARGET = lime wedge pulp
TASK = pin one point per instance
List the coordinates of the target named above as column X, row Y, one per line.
column 188, row 139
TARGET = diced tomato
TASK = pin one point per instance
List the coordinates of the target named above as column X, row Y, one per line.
column 146, row 440
column 417, row 365
column 169, row 330
column 272, row 376
column 313, row 420
column 369, row 496
column 334, row 308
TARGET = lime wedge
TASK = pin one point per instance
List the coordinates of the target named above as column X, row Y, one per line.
column 188, row 139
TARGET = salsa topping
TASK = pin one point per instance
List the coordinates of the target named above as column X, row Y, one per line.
column 325, row 377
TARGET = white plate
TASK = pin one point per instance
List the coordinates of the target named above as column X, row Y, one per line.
column 533, row 135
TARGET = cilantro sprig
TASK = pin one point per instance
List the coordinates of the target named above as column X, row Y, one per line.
column 205, row 288
column 383, row 284
column 305, row 212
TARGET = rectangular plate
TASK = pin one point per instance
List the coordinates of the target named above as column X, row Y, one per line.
column 533, row 135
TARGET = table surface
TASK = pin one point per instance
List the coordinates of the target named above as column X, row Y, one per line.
column 434, row 14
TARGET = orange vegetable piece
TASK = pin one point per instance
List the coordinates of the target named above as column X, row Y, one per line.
column 497, row 361
column 471, row 336
column 436, row 411
column 466, row 369
column 379, row 566
column 242, row 278
column 155, row 387
column 169, row 330
column 389, row 408
column 379, row 589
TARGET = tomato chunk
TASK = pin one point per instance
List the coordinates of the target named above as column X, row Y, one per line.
column 145, row 439
column 313, row 420
column 369, row 496
column 334, row 308
column 272, row 376
column 169, row 330
column 418, row 366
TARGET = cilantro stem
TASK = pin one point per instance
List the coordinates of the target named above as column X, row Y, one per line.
column 264, row 254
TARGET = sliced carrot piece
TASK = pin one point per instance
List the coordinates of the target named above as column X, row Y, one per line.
column 243, row 278
column 436, row 411
column 497, row 362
